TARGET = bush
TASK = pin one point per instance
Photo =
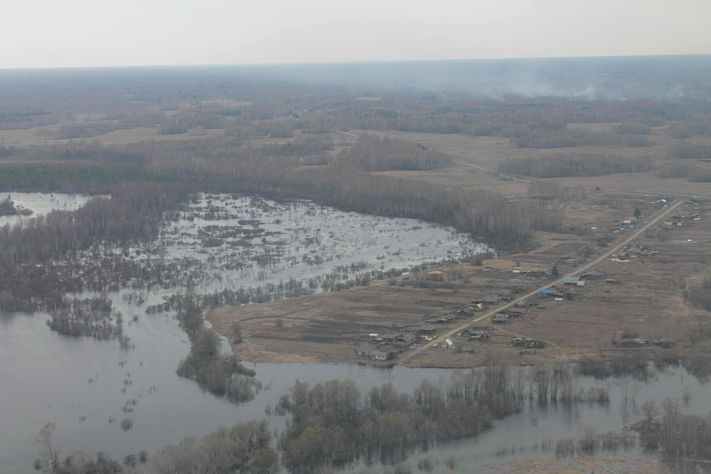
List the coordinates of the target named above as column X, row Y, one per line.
column 126, row 424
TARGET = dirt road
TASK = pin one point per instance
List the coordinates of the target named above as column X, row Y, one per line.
column 489, row 314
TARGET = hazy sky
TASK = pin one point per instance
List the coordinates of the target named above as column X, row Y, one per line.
column 50, row 33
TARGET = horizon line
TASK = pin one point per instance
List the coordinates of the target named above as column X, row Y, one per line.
column 349, row 62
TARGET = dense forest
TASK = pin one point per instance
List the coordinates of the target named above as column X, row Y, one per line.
column 371, row 153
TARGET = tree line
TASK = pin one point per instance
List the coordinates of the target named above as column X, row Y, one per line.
column 573, row 165
column 372, row 153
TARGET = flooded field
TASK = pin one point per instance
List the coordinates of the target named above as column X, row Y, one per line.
column 29, row 205
column 229, row 242
column 253, row 248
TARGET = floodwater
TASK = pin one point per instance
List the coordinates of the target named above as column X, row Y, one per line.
column 87, row 386
column 222, row 242
column 78, row 383
column 41, row 204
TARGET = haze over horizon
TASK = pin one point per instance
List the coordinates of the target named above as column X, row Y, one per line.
column 84, row 33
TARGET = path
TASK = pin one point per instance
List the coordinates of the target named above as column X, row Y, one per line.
column 489, row 314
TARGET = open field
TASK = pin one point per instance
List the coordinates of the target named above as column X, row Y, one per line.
column 477, row 159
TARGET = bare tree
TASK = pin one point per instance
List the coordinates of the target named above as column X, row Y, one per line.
column 48, row 460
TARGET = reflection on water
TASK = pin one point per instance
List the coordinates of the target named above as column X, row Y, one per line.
column 79, row 383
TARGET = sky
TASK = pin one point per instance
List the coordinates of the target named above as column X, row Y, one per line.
column 88, row 33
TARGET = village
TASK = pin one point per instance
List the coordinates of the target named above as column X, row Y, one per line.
column 524, row 308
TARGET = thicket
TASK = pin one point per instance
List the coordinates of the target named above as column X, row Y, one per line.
column 573, row 165
column 691, row 128
column 133, row 213
column 482, row 213
column 566, row 138
column 691, row 171
column 244, row 448
column 633, row 129
column 331, row 425
column 219, row 374
column 70, row 177
column 544, row 190
column 7, row 207
column 677, row 434
column 700, row 296
column 691, row 151
column 91, row 317
column 372, row 153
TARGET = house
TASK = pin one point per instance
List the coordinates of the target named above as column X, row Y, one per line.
column 665, row 343
column 478, row 334
column 571, row 280
column 554, row 292
column 528, row 342
column 500, row 318
column 440, row 320
column 397, row 339
column 425, row 329
column 404, row 340
column 383, row 355
column 367, row 353
column 592, row 275
column 490, row 299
